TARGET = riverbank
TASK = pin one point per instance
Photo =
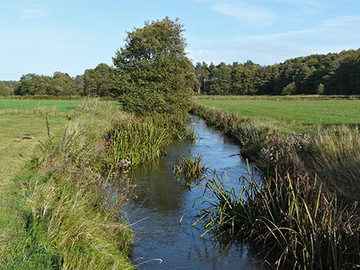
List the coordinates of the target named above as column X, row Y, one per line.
column 65, row 205
column 54, row 215
column 306, row 213
column 20, row 136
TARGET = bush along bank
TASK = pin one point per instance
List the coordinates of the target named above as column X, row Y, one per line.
column 303, row 215
column 72, row 196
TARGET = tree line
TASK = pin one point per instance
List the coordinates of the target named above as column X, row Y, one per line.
column 7, row 88
column 330, row 74
column 95, row 82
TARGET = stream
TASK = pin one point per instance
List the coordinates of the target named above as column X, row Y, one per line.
column 161, row 242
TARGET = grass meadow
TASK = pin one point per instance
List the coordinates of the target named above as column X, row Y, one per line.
column 31, row 105
column 291, row 114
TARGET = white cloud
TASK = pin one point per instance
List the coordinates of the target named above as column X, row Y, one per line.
column 332, row 35
column 202, row 55
column 247, row 14
column 338, row 28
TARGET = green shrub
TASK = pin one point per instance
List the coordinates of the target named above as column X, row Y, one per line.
column 290, row 89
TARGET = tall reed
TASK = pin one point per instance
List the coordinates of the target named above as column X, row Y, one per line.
column 144, row 140
column 190, row 168
column 294, row 222
column 334, row 155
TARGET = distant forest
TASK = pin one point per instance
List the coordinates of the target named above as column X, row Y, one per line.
column 330, row 74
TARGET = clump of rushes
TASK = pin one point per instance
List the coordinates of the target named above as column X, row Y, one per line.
column 334, row 155
column 190, row 168
column 143, row 140
column 294, row 221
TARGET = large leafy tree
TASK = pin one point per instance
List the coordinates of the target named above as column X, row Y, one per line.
column 99, row 81
column 32, row 84
column 2, row 90
column 62, row 85
column 154, row 74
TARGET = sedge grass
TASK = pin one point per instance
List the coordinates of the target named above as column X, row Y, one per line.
column 294, row 222
column 190, row 168
column 144, row 140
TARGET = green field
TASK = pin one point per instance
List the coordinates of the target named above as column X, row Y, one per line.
column 291, row 114
column 20, row 135
column 30, row 105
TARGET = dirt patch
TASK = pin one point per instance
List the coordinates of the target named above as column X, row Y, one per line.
column 26, row 138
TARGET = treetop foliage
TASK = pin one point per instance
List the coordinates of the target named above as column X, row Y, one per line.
column 153, row 73
column 153, row 41
column 60, row 84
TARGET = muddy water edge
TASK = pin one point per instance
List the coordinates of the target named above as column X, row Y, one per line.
column 161, row 241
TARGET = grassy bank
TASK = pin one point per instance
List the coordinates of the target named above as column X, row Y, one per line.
column 305, row 214
column 20, row 135
column 64, row 205
column 64, row 209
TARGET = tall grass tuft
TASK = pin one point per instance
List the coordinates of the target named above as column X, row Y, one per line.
column 144, row 140
column 294, row 222
column 190, row 168
column 334, row 154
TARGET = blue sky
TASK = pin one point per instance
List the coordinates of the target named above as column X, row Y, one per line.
column 44, row 36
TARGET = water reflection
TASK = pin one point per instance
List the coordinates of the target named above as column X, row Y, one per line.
column 162, row 202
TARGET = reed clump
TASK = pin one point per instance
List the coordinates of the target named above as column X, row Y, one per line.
column 294, row 223
column 306, row 211
column 190, row 168
column 334, row 155
column 144, row 140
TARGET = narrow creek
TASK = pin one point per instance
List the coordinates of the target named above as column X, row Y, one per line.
column 160, row 241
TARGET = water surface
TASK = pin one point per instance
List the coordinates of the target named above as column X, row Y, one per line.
column 161, row 242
